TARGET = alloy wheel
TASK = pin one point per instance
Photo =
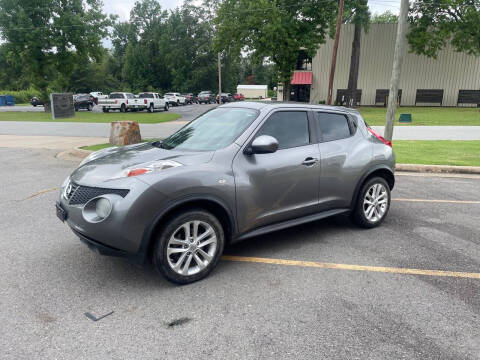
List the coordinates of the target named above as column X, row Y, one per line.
column 375, row 202
column 191, row 247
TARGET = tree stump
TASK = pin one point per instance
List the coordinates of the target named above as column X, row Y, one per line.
column 125, row 133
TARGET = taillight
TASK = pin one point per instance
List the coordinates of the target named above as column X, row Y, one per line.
column 381, row 138
column 116, row 101
column 127, row 101
column 144, row 101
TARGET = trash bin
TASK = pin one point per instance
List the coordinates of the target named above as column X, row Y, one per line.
column 2, row 100
column 9, row 100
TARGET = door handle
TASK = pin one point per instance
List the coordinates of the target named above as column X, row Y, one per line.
column 309, row 161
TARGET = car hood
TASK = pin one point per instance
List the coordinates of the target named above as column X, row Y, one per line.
column 112, row 163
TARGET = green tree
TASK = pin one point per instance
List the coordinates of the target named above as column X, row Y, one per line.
column 386, row 17
column 273, row 29
column 435, row 23
column 50, row 37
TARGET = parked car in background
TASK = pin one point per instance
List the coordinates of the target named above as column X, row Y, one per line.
column 238, row 97
column 83, row 101
column 153, row 101
column 226, row 97
column 175, row 98
column 190, row 98
column 279, row 165
column 206, row 97
column 35, row 101
column 98, row 95
column 121, row 101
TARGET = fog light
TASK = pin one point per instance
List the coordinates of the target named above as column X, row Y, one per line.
column 103, row 207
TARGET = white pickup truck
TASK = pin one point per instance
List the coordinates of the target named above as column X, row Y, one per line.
column 122, row 101
column 97, row 95
column 175, row 98
column 153, row 101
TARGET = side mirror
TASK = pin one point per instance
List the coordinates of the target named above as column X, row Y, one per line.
column 264, row 144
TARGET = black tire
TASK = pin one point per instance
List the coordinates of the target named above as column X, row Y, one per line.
column 90, row 107
column 123, row 108
column 76, row 108
column 358, row 214
column 178, row 103
column 165, row 108
column 105, row 110
column 160, row 259
column 150, row 108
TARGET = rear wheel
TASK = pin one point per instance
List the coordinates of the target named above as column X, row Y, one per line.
column 373, row 203
column 189, row 246
column 123, row 108
column 105, row 110
column 166, row 106
column 150, row 108
column 90, row 107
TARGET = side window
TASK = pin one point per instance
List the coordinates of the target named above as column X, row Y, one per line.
column 290, row 128
column 333, row 126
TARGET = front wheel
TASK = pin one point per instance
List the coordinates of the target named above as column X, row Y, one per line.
column 372, row 204
column 165, row 107
column 189, row 246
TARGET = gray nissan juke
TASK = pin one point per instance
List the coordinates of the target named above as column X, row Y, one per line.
column 237, row 171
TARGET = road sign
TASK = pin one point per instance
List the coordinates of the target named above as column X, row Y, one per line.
column 405, row 118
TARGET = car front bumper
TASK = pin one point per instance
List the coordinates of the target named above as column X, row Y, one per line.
column 122, row 233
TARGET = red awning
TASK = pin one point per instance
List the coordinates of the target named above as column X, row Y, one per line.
column 302, row 78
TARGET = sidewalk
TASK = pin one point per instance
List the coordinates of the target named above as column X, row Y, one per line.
column 48, row 142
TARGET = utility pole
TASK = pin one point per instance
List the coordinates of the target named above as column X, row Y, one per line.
column 334, row 55
column 397, row 68
column 219, row 79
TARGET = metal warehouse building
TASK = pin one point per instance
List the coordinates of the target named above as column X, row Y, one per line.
column 450, row 80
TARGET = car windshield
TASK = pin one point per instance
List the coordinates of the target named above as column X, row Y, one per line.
column 116, row 96
column 145, row 95
column 211, row 131
column 169, row 94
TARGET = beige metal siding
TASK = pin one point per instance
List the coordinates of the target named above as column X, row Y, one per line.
column 451, row 71
column 253, row 93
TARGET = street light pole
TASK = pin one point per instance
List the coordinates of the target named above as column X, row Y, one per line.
column 334, row 54
column 219, row 79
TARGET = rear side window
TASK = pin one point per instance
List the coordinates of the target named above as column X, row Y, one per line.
column 290, row 128
column 333, row 126
column 116, row 96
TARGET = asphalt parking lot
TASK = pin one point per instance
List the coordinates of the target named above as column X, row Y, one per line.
column 348, row 294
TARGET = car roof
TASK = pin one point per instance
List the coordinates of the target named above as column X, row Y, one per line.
column 266, row 105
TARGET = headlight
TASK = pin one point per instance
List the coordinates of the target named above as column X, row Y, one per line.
column 150, row 167
column 96, row 154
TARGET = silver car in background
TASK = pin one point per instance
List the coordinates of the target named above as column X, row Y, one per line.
column 237, row 171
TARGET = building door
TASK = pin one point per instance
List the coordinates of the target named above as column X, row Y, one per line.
column 300, row 93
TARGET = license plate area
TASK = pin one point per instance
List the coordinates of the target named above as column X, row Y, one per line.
column 61, row 212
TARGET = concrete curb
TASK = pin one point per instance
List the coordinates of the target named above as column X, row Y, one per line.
column 446, row 169
column 79, row 154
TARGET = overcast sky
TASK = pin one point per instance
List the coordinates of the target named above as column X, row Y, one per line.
column 122, row 7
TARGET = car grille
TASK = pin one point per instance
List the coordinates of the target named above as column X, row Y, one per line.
column 79, row 194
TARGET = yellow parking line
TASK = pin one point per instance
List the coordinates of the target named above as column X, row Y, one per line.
column 381, row 269
column 439, row 201
column 41, row 192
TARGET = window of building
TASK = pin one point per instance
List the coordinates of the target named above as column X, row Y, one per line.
column 290, row 128
column 333, row 126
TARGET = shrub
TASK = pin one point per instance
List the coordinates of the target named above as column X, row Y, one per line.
column 21, row 96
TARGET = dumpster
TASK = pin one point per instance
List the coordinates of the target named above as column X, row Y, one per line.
column 2, row 100
column 9, row 100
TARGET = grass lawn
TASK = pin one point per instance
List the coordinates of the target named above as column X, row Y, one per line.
column 438, row 152
column 103, row 146
column 92, row 117
column 424, row 115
